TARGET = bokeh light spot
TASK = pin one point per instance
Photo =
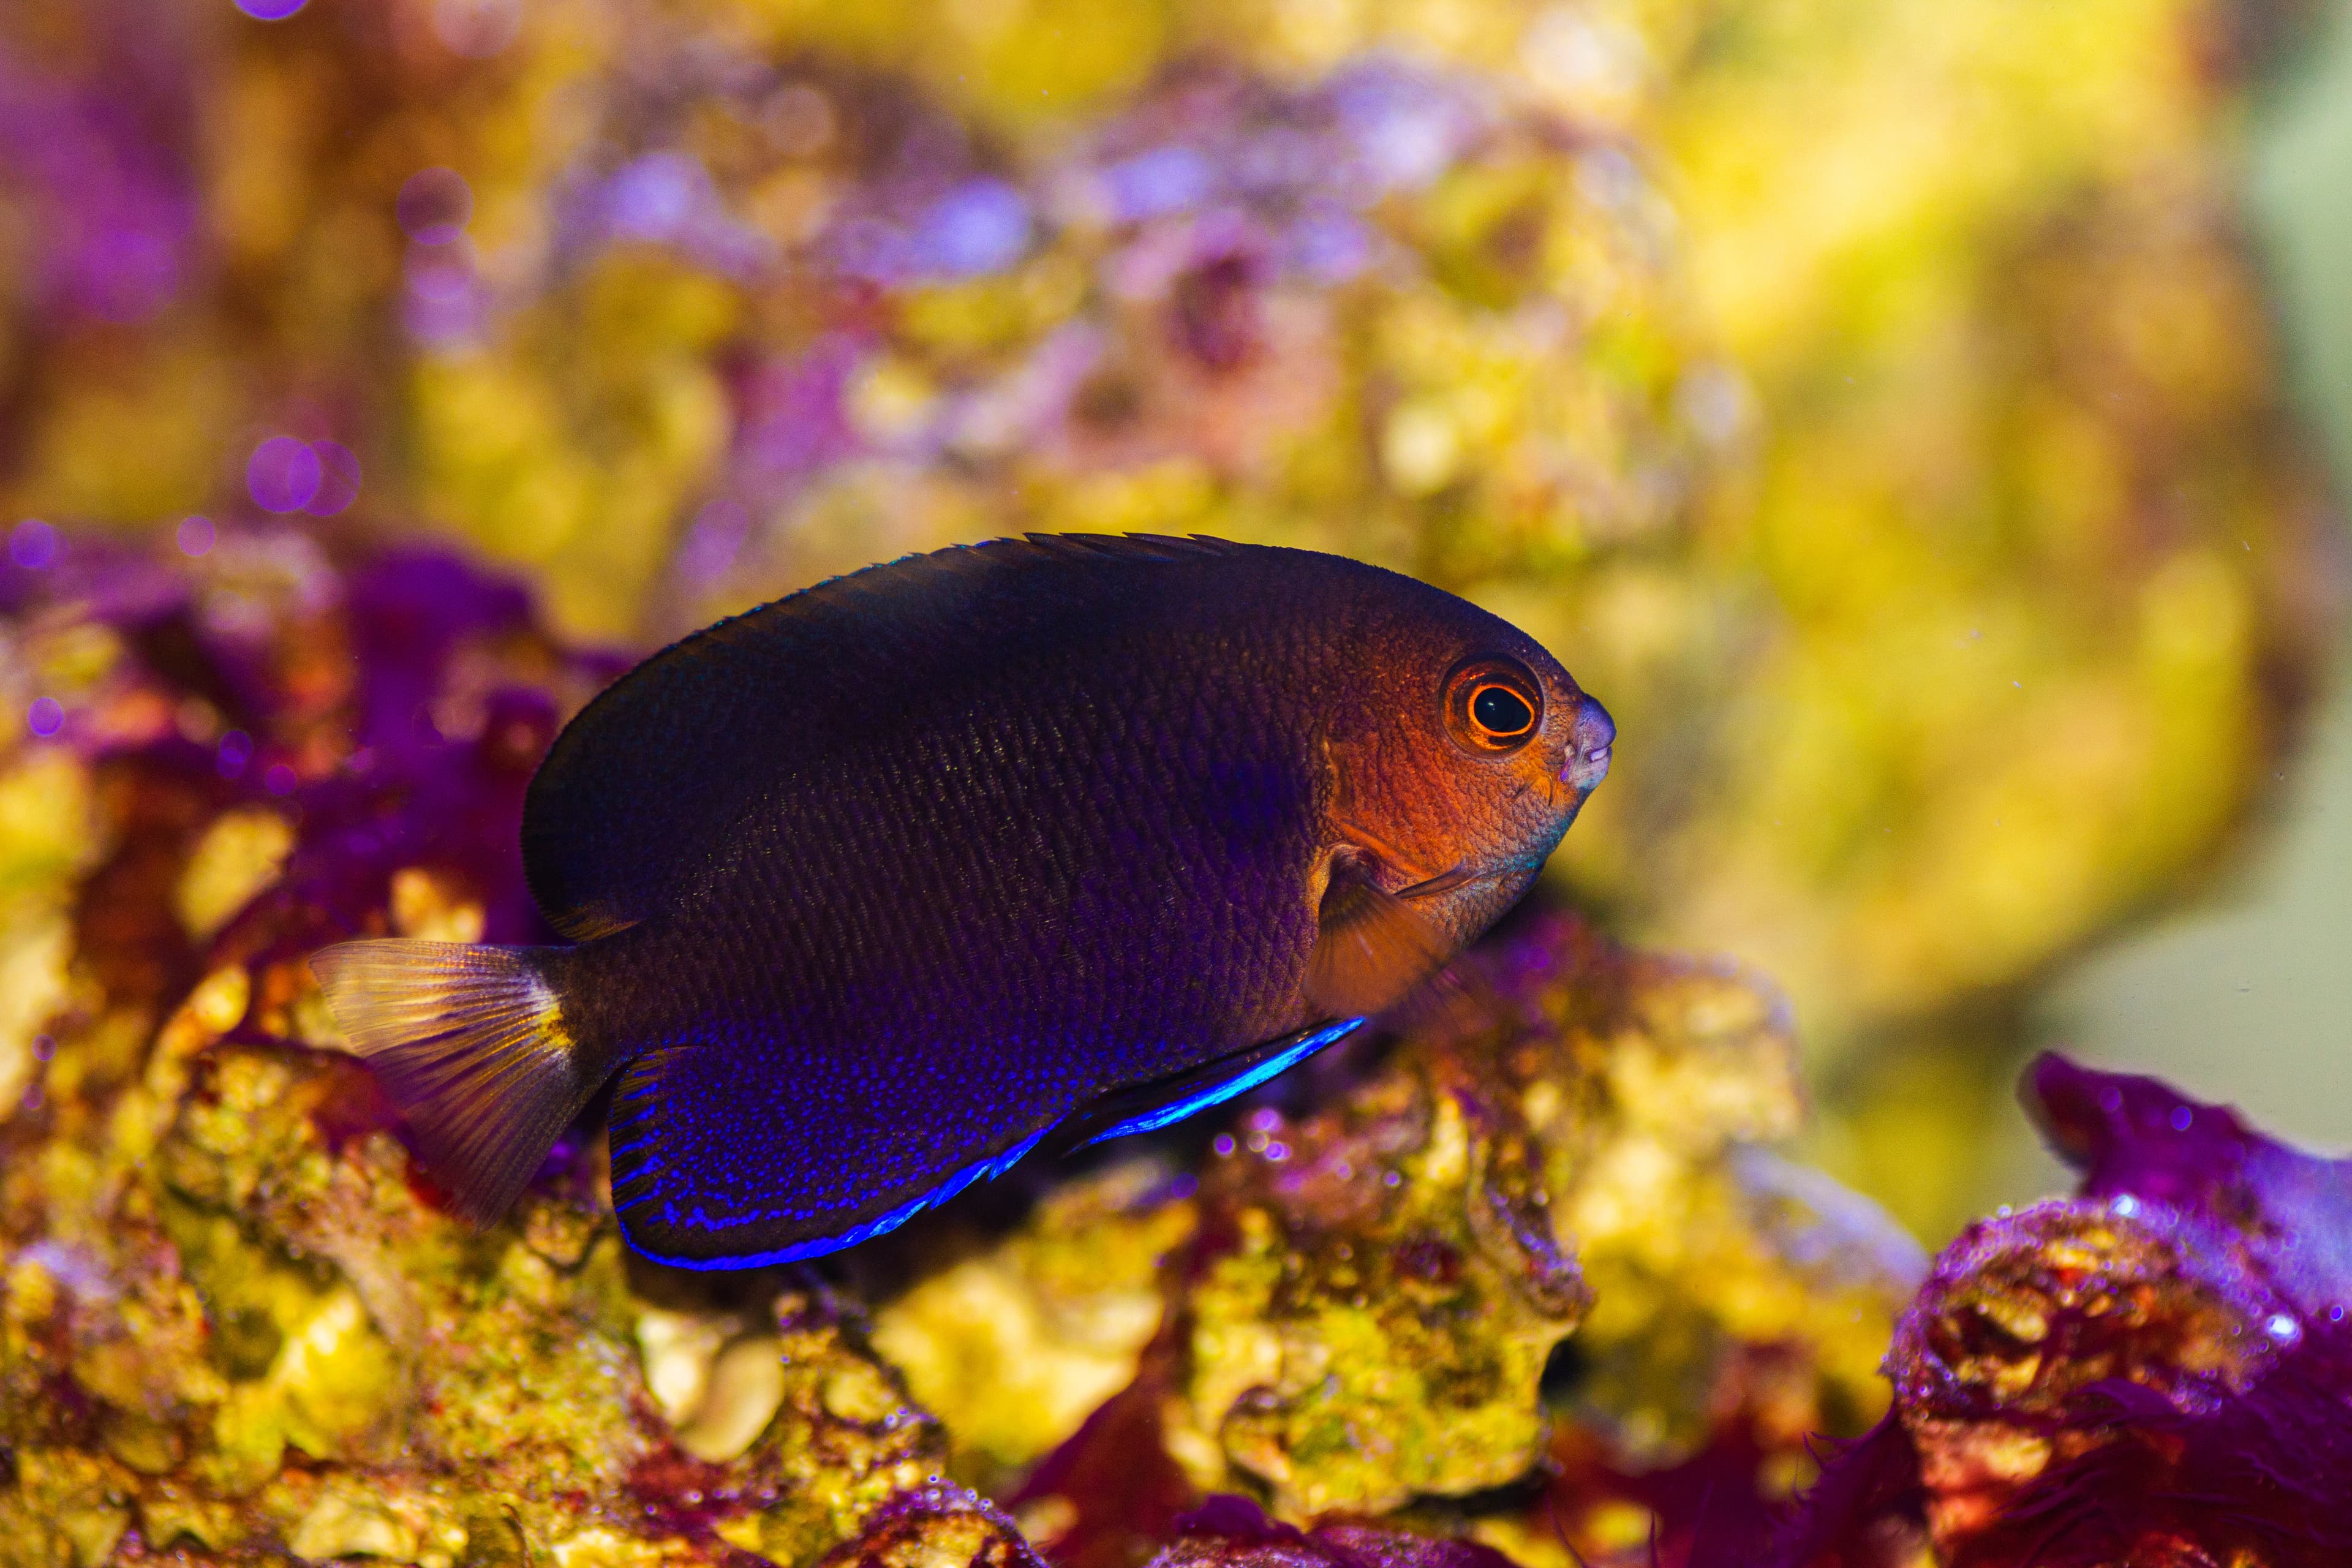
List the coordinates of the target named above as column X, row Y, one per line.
column 1164, row 179
column 196, row 535
column 476, row 28
column 444, row 303
column 34, row 543
column 434, row 205
column 713, row 542
column 655, row 196
column 979, row 227
column 339, row 478
column 278, row 780
column 799, row 120
column 270, row 10
column 283, row 474
column 235, row 750
column 47, row 714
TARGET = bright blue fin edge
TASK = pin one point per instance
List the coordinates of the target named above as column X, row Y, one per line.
column 987, row 1170
column 1217, row 1094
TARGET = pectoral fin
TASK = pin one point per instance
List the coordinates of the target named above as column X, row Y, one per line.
column 1141, row 1107
column 1371, row 950
column 1444, row 882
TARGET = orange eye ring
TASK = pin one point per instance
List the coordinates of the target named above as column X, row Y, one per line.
column 1493, row 705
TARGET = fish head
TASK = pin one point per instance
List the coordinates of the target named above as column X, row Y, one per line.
column 1523, row 745
column 1486, row 749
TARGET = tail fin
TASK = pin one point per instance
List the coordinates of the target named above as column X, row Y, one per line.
column 471, row 1042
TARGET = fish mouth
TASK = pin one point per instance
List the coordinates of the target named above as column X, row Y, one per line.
column 1592, row 738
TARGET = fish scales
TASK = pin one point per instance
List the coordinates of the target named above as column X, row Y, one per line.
column 950, row 934
column 881, row 884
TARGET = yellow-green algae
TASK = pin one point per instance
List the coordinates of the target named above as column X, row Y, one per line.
column 1403, row 1264
column 233, row 1323
column 1358, row 1306
column 1014, row 1345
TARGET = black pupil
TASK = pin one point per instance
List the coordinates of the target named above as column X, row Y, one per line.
column 1501, row 711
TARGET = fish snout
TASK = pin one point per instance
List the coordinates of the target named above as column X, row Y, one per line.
column 1591, row 735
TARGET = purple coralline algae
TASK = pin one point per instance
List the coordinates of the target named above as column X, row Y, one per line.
column 2157, row 1371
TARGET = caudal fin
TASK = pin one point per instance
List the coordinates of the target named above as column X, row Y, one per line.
column 471, row 1043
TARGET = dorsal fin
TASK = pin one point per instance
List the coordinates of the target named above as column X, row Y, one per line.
column 654, row 776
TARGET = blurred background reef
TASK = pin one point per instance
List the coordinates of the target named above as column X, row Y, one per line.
column 1876, row 403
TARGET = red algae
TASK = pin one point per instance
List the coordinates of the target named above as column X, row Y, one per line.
column 2155, row 1372
column 936, row 1525
column 1231, row 1532
column 1123, row 1493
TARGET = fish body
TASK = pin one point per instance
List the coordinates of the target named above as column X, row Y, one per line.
column 875, row 887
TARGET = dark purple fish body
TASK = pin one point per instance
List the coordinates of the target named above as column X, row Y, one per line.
column 877, row 885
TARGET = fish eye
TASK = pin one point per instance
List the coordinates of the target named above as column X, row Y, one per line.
column 1492, row 706
column 1501, row 711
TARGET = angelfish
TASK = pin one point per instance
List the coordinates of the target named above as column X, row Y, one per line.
column 872, row 888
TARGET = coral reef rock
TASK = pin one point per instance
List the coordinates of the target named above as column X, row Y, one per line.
column 237, row 1323
column 2157, row 1371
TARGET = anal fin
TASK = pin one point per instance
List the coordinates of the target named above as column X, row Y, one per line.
column 727, row 1155
column 986, row 1170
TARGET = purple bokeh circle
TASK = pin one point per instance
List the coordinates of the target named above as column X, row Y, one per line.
column 196, row 535
column 46, row 716
column 34, row 543
column 270, row 10
column 339, row 479
column 980, row 226
column 284, row 474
